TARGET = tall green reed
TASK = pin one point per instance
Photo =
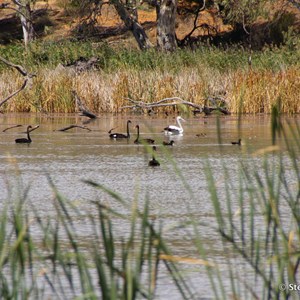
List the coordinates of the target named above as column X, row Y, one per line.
column 265, row 196
column 114, row 268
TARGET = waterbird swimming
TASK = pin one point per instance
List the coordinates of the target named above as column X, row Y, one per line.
column 173, row 129
column 237, row 143
column 168, row 143
column 153, row 162
column 24, row 140
column 121, row 135
column 141, row 141
column 200, row 134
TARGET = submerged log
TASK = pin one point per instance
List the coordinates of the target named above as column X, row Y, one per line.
column 32, row 129
column 73, row 126
column 14, row 126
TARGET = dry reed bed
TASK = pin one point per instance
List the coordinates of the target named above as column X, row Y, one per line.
column 251, row 91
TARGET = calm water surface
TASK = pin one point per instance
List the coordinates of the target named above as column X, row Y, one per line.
column 70, row 157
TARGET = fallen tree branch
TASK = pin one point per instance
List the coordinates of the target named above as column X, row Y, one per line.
column 176, row 101
column 15, row 126
column 23, row 71
column 144, row 105
column 81, row 107
column 73, row 126
column 15, row 93
column 32, row 129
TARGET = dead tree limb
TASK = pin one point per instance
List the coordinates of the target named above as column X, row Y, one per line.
column 15, row 126
column 23, row 71
column 32, row 129
column 15, row 93
column 73, row 126
column 195, row 27
column 81, row 107
column 160, row 103
column 173, row 101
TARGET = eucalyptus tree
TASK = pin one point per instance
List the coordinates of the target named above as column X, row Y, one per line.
column 128, row 14
column 241, row 14
column 24, row 10
column 166, row 22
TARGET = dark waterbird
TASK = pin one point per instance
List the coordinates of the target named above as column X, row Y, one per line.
column 121, row 135
column 237, row 143
column 142, row 141
column 200, row 134
column 153, row 162
column 168, row 143
column 24, row 140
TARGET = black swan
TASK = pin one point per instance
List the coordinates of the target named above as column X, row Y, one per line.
column 121, row 135
column 24, row 140
column 142, row 141
column 237, row 143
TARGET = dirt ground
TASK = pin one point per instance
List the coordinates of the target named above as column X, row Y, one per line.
column 58, row 23
column 55, row 21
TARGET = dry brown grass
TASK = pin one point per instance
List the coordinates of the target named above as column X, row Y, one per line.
column 258, row 91
column 252, row 91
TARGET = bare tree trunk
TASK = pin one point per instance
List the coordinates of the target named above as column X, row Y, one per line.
column 132, row 24
column 24, row 9
column 166, row 37
column 25, row 13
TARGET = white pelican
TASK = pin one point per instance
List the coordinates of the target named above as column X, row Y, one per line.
column 172, row 129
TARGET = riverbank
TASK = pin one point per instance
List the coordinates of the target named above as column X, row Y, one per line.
column 121, row 74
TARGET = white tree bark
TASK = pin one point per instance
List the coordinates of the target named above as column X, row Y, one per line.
column 166, row 36
column 24, row 9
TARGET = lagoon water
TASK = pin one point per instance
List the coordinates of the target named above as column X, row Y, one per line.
column 177, row 190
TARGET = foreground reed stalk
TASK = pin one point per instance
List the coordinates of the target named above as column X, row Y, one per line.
column 264, row 196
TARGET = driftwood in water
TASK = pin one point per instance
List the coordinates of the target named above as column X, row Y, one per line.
column 32, row 129
column 110, row 131
column 81, row 107
column 73, row 126
column 15, row 126
column 28, row 78
column 173, row 101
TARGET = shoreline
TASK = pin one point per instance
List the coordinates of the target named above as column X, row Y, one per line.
column 118, row 75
